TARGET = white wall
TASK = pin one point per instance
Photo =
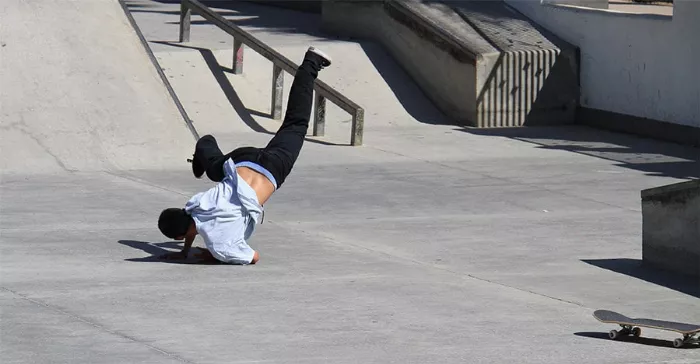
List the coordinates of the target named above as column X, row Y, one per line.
column 636, row 64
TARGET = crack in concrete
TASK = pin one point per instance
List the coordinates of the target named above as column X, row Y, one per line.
column 130, row 178
column 22, row 127
column 96, row 325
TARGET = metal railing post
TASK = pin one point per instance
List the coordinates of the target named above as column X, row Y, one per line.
column 237, row 56
column 277, row 90
column 358, row 126
column 185, row 17
column 319, row 115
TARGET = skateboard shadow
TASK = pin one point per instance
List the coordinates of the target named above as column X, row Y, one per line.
column 636, row 340
column 158, row 249
column 636, row 268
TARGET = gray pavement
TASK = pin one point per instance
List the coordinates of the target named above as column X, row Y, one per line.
column 432, row 243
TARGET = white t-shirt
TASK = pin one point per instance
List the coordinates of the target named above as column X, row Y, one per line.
column 226, row 216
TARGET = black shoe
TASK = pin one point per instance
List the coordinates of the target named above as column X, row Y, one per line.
column 197, row 168
column 322, row 58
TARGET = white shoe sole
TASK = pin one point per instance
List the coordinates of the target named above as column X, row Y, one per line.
column 321, row 54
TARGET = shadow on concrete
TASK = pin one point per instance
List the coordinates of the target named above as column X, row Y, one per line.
column 272, row 19
column 654, row 157
column 636, row 268
column 177, row 12
column 275, row 20
column 138, row 4
column 407, row 92
column 636, row 340
column 257, row 113
column 219, row 73
column 158, row 249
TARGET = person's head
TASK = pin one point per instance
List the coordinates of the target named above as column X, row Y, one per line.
column 175, row 223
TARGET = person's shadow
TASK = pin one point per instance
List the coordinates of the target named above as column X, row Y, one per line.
column 158, row 249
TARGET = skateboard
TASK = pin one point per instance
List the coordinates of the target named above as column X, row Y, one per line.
column 630, row 326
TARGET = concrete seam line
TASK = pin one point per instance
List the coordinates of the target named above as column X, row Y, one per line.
column 506, row 179
column 162, row 75
column 421, row 263
column 142, row 182
column 94, row 324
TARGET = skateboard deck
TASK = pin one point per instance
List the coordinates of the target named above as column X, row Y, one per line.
column 630, row 326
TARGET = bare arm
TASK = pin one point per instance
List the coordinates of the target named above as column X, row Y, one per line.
column 189, row 239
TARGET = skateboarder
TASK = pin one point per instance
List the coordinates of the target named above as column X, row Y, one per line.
column 226, row 214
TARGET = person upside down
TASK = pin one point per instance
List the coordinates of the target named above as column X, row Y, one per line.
column 226, row 214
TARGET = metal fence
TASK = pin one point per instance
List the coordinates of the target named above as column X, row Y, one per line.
column 280, row 63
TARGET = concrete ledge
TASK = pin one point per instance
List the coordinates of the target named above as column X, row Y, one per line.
column 671, row 227
column 477, row 73
column 598, row 4
column 676, row 133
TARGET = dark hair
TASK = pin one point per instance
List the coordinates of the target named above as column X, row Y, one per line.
column 174, row 222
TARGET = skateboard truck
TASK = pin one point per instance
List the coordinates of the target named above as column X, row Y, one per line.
column 687, row 339
column 626, row 330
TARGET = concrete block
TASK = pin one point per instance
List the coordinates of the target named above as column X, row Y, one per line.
column 671, row 227
column 481, row 63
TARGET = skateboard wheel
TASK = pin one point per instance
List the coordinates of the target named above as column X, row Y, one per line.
column 678, row 343
column 637, row 332
column 614, row 334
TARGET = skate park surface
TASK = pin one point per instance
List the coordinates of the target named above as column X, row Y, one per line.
column 431, row 243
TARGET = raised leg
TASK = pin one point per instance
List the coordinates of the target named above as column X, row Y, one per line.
column 282, row 151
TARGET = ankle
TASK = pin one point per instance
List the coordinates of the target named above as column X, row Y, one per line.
column 313, row 60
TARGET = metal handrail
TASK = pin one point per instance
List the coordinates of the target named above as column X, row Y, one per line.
column 280, row 63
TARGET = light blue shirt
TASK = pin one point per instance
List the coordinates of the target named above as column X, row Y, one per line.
column 226, row 216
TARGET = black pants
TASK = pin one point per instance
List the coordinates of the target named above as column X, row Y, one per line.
column 281, row 152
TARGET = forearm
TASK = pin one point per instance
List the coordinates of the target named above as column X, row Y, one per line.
column 188, row 245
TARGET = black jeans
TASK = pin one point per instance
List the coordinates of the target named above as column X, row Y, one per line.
column 280, row 154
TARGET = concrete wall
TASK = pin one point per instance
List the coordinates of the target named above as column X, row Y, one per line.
column 635, row 64
column 671, row 227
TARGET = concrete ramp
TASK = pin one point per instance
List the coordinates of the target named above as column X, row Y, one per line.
column 79, row 92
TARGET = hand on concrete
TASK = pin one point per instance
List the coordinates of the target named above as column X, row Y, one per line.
column 174, row 256
column 204, row 256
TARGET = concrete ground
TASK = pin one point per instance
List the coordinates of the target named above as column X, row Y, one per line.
column 432, row 243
